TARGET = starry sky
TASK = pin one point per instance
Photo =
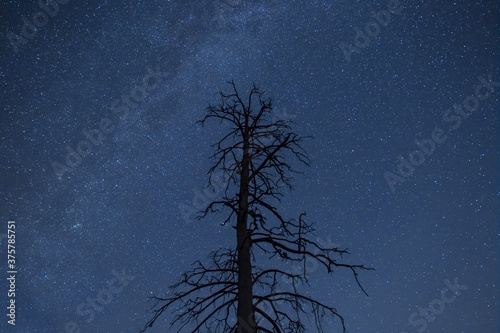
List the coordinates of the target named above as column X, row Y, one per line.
column 102, row 163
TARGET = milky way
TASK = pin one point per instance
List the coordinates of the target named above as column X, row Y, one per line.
column 102, row 162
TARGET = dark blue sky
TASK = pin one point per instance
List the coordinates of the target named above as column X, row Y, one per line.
column 105, row 217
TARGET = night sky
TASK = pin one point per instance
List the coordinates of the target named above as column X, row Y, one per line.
column 102, row 164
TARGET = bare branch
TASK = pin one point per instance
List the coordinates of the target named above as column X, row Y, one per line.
column 252, row 155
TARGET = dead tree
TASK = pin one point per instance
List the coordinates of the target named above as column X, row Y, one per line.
column 233, row 294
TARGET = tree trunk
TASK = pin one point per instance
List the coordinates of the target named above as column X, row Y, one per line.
column 245, row 312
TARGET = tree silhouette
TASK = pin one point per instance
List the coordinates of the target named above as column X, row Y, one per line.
column 232, row 293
